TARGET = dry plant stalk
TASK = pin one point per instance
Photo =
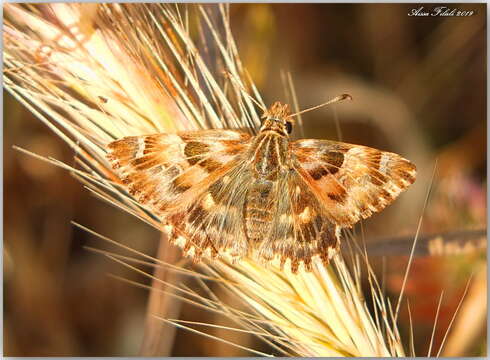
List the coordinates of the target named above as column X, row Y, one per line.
column 97, row 72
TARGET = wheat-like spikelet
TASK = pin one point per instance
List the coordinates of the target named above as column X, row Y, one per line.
column 96, row 72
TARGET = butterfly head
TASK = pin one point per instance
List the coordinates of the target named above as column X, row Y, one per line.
column 277, row 118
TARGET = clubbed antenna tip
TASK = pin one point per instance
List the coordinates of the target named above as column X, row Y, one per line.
column 331, row 101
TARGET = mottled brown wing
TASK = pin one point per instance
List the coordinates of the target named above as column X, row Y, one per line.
column 169, row 171
column 213, row 223
column 301, row 228
column 351, row 181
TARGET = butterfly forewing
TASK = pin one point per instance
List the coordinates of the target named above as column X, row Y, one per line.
column 351, row 181
column 165, row 171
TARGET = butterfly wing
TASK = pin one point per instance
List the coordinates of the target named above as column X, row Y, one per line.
column 195, row 181
column 213, row 223
column 331, row 185
column 168, row 171
column 301, row 228
column 351, row 181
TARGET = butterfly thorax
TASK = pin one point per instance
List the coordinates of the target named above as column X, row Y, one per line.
column 269, row 151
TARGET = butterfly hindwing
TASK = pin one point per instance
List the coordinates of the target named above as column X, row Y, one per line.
column 351, row 181
column 300, row 229
column 213, row 223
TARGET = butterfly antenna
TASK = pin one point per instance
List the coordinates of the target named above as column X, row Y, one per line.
column 334, row 100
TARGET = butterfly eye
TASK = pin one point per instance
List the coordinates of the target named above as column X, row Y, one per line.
column 289, row 127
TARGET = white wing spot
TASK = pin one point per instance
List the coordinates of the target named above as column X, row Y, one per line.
column 180, row 241
column 305, row 215
column 140, row 146
column 208, row 202
column 383, row 164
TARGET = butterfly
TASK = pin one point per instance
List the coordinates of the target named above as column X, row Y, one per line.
column 228, row 193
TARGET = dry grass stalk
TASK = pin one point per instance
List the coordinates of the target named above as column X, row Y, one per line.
column 159, row 337
column 466, row 329
column 97, row 72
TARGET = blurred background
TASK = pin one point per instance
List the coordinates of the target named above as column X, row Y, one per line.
column 419, row 89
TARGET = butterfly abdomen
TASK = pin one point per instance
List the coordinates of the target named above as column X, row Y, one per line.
column 258, row 211
column 269, row 155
